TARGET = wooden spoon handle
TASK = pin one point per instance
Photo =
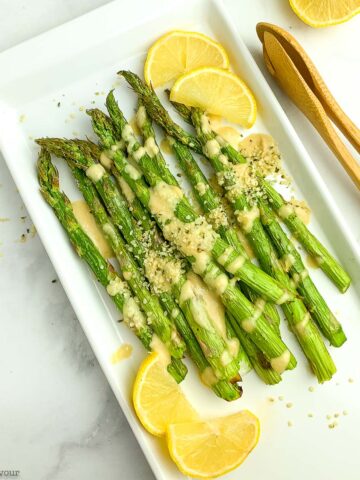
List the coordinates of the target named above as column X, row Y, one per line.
column 287, row 75
column 337, row 115
column 321, row 122
column 311, row 75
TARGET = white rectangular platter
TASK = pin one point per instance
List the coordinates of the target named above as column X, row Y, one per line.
column 44, row 86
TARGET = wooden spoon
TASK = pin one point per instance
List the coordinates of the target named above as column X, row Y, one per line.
column 284, row 71
column 314, row 80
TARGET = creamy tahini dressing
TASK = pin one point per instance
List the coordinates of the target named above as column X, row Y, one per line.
column 126, row 190
column 106, row 161
column 194, row 287
column 301, row 326
column 313, row 262
column 279, row 364
column 133, row 172
column 285, row 211
column 132, row 314
column 115, row 286
column 247, row 218
column 251, row 145
column 230, row 134
column 236, row 264
column 157, row 346
column 208, row 377
column 135, row 125
column 212, row 148
column 141, row 117
column 150, row 146
column 297, row 278
column 121, row 353
column 288, row 261
column 165, row 145
column 246, row 243
column 139, row 153
column 95, row 172
column 224, row 257
column 163, row 200
column 192, row 238
column 249, row 324
column 88, row 223
column 301, row 209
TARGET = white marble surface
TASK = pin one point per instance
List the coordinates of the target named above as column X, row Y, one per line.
column 58, row 416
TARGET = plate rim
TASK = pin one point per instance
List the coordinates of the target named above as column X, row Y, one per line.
column 290, row 132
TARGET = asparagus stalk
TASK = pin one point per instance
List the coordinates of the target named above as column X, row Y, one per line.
column 235, row 264
column 103, row 271
column 225, row 147
column 196, row 313
column 312, row 245
column 206, row 197
column 161, row 324
column 217, row 217
column 312, row 298
column 146, row 129
column 148, row 133
column 258, row 361
column 145, row 125
column 90, row 194
column 216, row 347
column 249, row 317
column 328, row 324
column 210, row 203
column 295, row 311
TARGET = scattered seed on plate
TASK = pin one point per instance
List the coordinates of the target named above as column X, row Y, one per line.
column 290, row 423
column 351, row 380
column 271, row 399
column 328, row 416
column 311, row 389
column 310, row 415
column 289, row 405
column 345, row 412
column 281, row 398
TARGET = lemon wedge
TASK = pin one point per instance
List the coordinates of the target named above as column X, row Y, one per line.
column 324, row 13
column 158, row 399
column 177, row 52
column 218, row 92
column 213, row 448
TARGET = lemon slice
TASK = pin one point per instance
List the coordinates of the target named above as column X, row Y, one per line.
column 177, row 52
column 213, row 448
column 323, row 13
column 216, row 91
column 158, row 399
